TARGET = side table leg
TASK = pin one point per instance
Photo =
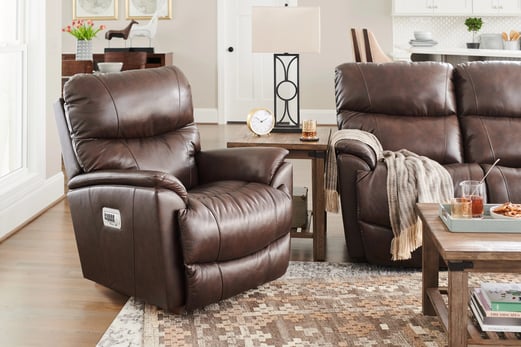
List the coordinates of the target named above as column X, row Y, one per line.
column 458, row 301
column 319, row 208
column 430, row 270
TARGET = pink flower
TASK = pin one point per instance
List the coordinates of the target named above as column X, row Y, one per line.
column 83, row 29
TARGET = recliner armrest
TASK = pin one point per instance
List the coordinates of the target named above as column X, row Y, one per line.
column 133, row 178
column 250, row 164
column 358, row 149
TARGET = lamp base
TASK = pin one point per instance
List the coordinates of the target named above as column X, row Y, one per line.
column 283, row 128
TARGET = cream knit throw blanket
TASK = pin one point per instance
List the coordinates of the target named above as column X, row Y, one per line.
column 410, row 178
column 331, row 178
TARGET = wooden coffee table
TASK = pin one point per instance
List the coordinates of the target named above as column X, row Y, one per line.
column 314, row 151
column 462, row 253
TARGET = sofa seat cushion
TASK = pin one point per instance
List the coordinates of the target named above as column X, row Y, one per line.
column 228, row 220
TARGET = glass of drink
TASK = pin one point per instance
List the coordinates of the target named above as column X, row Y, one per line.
column 461, row 208
column 476, row 192
column 309, row 129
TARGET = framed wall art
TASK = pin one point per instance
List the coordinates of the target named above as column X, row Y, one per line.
column 146, row 9
column 95, row 9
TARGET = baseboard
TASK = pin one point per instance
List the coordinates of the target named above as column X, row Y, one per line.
column 323, row 116
column 36, row 198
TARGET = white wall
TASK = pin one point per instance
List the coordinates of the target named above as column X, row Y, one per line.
column 192, row 36
column 337, row 18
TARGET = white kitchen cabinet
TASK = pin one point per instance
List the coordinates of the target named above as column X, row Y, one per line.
column 431, row 7
column 497, row 7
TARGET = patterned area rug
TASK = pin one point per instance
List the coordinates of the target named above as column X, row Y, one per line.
column 313, row 304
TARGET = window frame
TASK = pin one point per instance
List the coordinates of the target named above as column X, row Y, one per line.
column 25, row 192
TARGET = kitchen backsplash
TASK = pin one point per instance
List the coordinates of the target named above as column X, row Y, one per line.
column 448, row 31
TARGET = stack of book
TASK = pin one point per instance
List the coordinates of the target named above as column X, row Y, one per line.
column 497, row 306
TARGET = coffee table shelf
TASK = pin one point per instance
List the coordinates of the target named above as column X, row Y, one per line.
column 462, row 253
column 476, row 337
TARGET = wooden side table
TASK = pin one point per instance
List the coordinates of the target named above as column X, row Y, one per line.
column 462, row 253
column 314, row 151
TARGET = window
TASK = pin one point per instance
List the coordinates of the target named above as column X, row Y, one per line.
column 12, row 99
column 28, row 81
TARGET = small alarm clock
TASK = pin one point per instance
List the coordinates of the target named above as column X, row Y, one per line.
column 260, row 121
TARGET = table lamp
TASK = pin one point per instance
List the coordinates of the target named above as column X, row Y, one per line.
column 286, row 32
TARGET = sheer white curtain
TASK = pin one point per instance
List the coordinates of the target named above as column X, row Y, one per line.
column 12, row 70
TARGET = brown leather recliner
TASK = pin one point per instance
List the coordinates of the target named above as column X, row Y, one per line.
column 156, row 217
column 463, row 117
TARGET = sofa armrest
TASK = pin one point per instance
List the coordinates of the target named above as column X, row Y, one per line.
column 250, row 164
column 155, row 179
column 357, row 149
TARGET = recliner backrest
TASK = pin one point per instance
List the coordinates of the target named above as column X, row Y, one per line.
column 406, row 105
column 489, row 106
column 133, row 120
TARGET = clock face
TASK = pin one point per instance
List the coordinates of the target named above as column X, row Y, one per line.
column 261, row 121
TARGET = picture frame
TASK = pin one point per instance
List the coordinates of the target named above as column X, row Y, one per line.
column 145, row 9
column 95, row 9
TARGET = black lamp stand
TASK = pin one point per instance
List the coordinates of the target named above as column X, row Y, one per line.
column 286, row 93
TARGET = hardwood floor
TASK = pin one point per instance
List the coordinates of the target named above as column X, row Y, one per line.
column 45, row 301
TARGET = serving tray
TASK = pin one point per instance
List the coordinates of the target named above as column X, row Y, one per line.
column 487, row 224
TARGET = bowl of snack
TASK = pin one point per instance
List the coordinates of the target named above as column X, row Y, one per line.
column 507, row 210
column 109, row 67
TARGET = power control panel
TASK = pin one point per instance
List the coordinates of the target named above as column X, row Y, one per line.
column 111, row 218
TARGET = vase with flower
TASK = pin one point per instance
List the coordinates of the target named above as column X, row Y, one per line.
column 84, row 31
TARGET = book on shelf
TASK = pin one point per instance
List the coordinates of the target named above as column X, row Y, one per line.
column 488, row 310
column 491, row 319
column 502, row 296
column 484, row 323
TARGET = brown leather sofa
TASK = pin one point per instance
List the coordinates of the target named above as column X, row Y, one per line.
column 195, row 226
column 464, row 117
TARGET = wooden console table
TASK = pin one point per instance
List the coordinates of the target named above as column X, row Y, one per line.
column 462, row 253
column 70, row 66
column 314, row 151
column 153, row 59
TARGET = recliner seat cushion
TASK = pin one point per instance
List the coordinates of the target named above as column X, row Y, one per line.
column 232, row 219
column 234, row 237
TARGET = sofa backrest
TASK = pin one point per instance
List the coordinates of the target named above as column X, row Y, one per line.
column 489, row 107
column 406, row 105
column 133, row 120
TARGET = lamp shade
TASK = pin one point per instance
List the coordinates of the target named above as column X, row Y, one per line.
column 286, row 29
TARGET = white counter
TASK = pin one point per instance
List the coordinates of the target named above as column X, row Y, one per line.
column 498, row 53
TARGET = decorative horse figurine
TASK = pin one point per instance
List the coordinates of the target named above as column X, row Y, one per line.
column 123, row 33
column 149, row 29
